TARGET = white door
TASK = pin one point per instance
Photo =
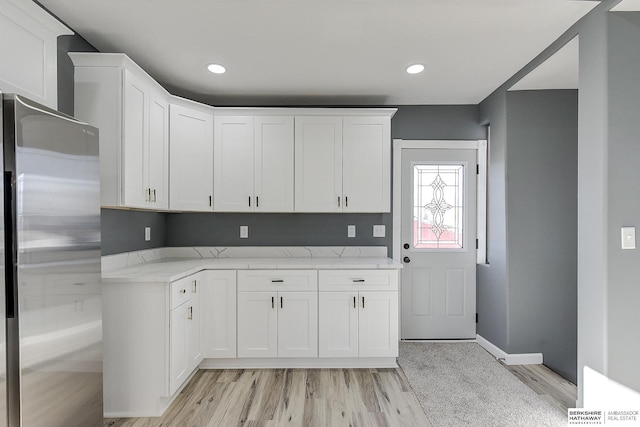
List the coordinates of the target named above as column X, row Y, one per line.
column 298, row 324
column 218, row 314
column 338, row 328
column 438, row 243
column 233, row 164
column 257, row 324
column 378, row 324
column 273, row 163
column 191, row 159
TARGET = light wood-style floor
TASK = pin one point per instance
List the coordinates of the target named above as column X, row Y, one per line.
column 291, row 397
column 556, row 390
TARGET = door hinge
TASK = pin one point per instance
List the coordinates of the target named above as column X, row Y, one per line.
column 476, row 317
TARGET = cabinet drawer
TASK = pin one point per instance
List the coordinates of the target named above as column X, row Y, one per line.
column 358, row 280
column 275, row 280
column 181, row 291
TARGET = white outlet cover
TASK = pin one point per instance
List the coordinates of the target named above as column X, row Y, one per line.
column 147, row 234
column 244, row 231
column 351, row 231
column 628, row 235
column 379, row 230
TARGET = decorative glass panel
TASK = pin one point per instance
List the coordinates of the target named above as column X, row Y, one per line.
column 438, row 211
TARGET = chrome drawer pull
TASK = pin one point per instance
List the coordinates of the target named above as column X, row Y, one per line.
column 277, row 281
column 358, row 280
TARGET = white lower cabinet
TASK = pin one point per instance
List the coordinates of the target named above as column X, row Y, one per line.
column 274, row 321
column 218, row 311
column 357, row 319
column 184, row 326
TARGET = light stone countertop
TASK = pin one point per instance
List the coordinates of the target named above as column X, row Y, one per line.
column 171, row 269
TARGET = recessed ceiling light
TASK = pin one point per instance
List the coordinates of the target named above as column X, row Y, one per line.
column 415, row 68
column 216, row 68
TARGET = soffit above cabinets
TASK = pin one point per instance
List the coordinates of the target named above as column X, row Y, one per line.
column 332, row 52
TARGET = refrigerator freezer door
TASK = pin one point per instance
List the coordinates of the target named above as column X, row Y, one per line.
column 57, row 223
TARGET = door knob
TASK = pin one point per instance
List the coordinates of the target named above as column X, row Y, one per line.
column 406, row 246
column 406, row 259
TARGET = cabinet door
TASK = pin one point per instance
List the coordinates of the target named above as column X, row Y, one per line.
column 190, row 159
column 233, row 164
column 338, row 324
column 158, row 151
column 218, row 311
column 257, row 324
column 378, row 324
column 178, row 358
column 273, row 164
column 366, row 164
column 135, row 124
column 194, row 353
column 297, row 324
column 318, row 164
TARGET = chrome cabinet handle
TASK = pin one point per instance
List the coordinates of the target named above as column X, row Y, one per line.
column 194, row 289
column 277, row 281
column 190, row 315
column 338, row 201
column 257, row 202
column 154, row 196
column 362, row 302
column 346, row 202
column 358, row 280
column 210, row 200
column 354, row 302
column 273, row 302
column 281, row 305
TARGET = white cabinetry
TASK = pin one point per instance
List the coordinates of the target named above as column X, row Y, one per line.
column 184, row 324
column 191, row 157
column 151, row 343
column 366, row 164
column 132, row 113
column 218, row 311
column 253, row 163
column 343, row 164
column 358, row 313
column 318, row 164
column 277, row 313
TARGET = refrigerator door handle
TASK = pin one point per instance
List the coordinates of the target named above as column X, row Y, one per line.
column 10, row 245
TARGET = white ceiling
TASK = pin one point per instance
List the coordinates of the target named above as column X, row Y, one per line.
column 326, row 51
column 559, row 71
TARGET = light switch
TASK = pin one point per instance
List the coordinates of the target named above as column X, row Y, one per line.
column 351, row 231
column 628, row 237
column 379, row 230
column 244, row 231
column 147, row 234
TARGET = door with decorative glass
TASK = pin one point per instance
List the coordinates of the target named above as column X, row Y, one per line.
column 438, row 243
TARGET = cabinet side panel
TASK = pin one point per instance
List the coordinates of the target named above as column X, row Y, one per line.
column 98, row 100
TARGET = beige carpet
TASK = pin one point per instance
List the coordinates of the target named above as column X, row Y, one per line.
column 460, row 384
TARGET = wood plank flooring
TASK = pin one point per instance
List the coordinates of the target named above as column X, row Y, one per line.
column 556, row 390
column 291, row 397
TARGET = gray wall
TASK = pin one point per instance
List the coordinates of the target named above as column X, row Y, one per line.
column 542, row 207
column 123, row 230
column 623, row 197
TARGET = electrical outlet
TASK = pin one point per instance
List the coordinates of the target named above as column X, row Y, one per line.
column 147, row 234
column 351, row 231
column 244, row 231
column 379, row 230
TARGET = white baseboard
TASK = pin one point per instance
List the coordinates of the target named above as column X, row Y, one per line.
column 509, row 359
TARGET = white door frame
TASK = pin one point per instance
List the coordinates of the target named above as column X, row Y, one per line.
column 481, row 209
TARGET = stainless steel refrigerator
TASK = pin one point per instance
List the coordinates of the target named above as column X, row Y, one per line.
column 51, row 328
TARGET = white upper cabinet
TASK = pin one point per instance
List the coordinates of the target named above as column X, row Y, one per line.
column 366, row 164
column 132, row 114
column 343, row 164
column 318, row 164
column 191, row 158
column 253, row 163
column 29, row 51
column 233, row 163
